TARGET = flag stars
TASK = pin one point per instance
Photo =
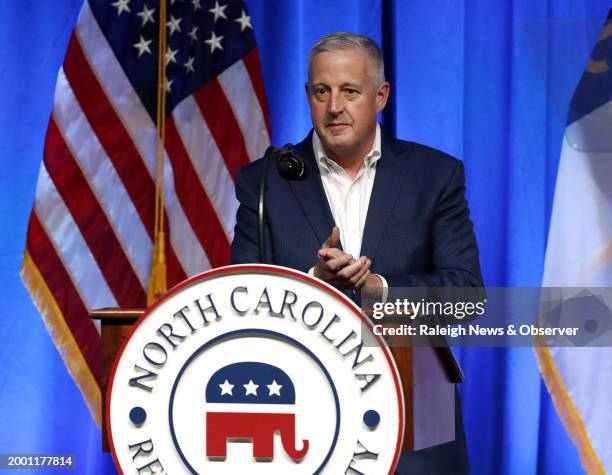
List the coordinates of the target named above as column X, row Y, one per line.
column 122, row 6
column 274, row 388
column 226, row 388
column 173, row 25
column 193, row 34
column 218, row 11
column 143, row 46
column 168, row 85
column 146, row 15
column 196, row 5
column 189, row 65
column 214, row 42
column 245, row 21
column 170, row 55
column 251, row 388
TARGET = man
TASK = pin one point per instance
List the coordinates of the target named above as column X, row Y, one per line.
column 372, row 210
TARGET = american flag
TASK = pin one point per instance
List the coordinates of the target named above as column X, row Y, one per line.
column 91, row 230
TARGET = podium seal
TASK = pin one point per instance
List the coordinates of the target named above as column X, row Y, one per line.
column 254, row 369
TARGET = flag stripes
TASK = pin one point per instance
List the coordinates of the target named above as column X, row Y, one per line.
column 64, row 339
column 212, row 173
column 204, row 222
column 253, row 66
column 219, row 116
column 102, row 177
column 48, row 263
column 65, row 236
column 237, row 87
column 92, row 222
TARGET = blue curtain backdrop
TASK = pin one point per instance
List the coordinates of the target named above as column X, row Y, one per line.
column 488, row 82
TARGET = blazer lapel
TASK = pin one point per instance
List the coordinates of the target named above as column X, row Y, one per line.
column 390, row 172
column 310, row 194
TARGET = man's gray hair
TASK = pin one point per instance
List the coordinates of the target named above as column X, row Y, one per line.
column 340, row 40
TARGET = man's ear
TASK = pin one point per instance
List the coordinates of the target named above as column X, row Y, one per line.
column 382, row 95
column 307, row 90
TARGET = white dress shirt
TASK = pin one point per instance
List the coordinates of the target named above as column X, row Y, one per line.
column 349, row 198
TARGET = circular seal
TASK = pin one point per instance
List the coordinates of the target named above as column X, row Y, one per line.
column 254, row 369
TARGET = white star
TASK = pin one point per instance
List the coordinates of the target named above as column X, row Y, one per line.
column 143, row 46
column 218, row 11
column 121, row 6
column 189, row 65
column 196, row 5
column 251, row 388
column 274, row 388
column 245, row 21
column 193, row 34
column 169, row 85
column 171, row 55
column 226, row 388
column 214, row 42
column 173, row 24
column 146, row 15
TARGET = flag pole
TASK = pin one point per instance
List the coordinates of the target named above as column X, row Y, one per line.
column 157, row 278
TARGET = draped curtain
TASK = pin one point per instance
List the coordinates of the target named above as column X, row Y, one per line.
column 488, row 82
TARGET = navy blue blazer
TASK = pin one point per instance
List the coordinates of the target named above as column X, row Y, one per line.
column 417, row 231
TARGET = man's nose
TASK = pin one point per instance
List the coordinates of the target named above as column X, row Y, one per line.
column 334, row 105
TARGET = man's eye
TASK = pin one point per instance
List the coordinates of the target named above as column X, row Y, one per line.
column 320, row 91
column 351, row 92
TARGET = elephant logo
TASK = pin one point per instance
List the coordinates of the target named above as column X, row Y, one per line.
column 251, row 401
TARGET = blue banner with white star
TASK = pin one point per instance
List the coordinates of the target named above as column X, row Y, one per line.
column 250, row 383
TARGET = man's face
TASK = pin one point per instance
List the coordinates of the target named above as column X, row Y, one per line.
column 344, row 100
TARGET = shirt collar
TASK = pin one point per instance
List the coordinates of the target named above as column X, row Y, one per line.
column 370, row 159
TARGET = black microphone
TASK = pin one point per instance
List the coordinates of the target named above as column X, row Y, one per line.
column 289, row 165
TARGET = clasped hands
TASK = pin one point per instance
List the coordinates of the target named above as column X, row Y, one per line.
column 342, row 270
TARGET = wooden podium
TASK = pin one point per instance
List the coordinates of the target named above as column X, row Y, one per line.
column 116, row 324
column 429, row 394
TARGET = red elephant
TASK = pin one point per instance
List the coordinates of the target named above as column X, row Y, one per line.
column 257, row 427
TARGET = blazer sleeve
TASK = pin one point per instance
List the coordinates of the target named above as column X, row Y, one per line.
column 455, row 257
